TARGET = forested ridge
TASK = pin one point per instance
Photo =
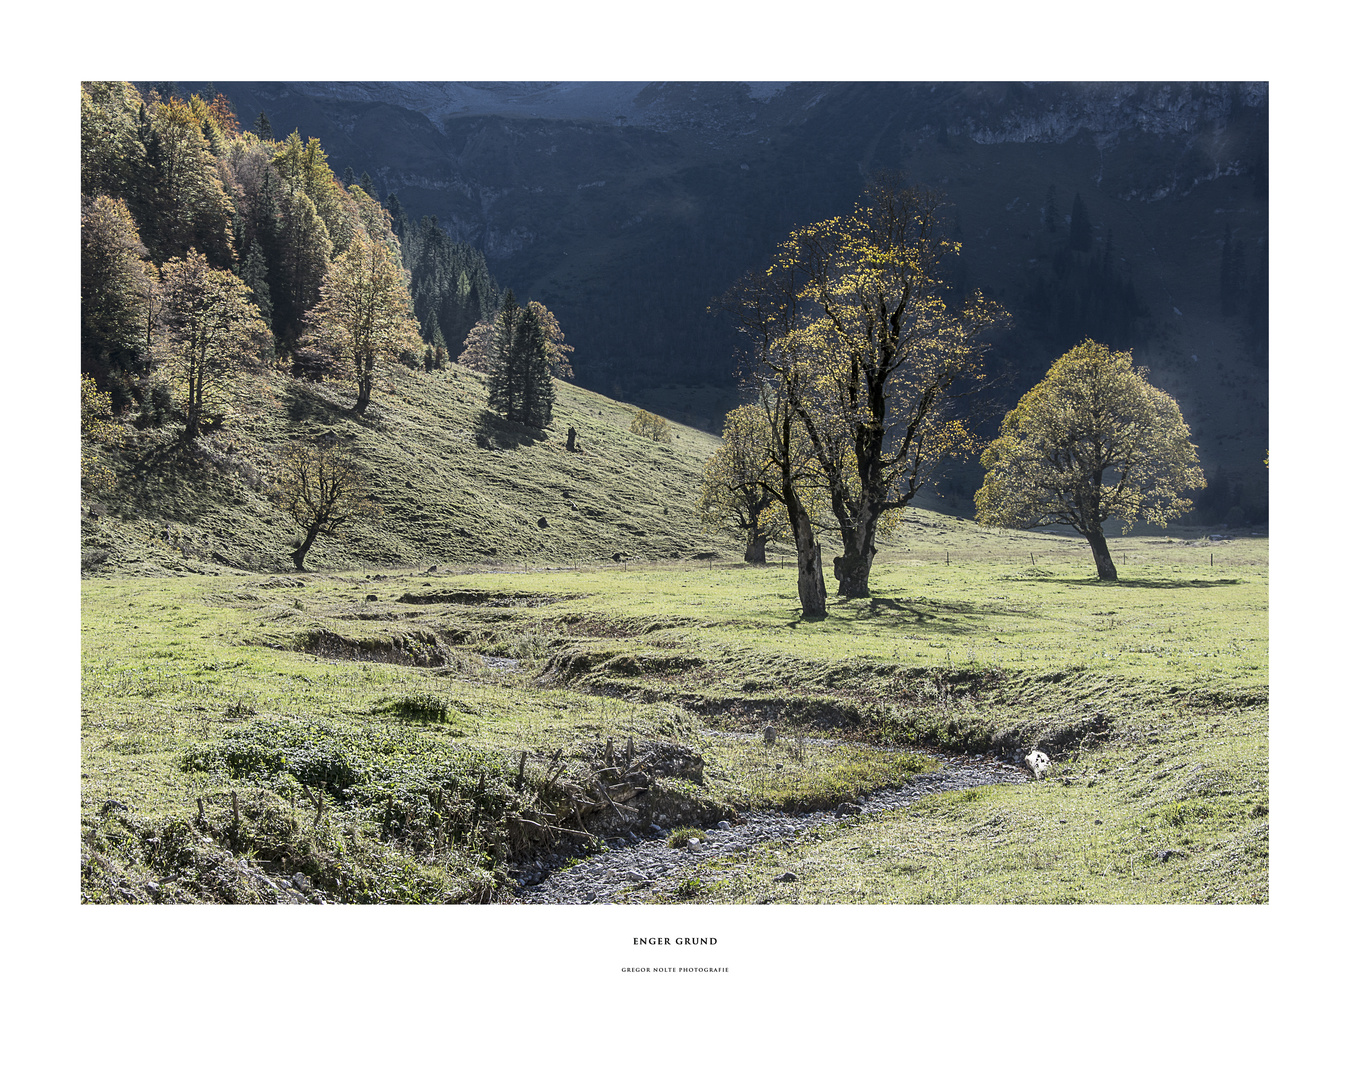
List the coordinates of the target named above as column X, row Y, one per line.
column 264, row 223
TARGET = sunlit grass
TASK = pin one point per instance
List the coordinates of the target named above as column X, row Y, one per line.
column 961, row 635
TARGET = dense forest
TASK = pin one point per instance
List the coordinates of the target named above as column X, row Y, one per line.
column 207, row 246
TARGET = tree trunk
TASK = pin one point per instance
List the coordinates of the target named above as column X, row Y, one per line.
column 298, row 555
column 194, row 409
column 810, row 577
column 853, row 568
column 362, row 397
column 810, row 574
column 1106, row 569
column 754, row 549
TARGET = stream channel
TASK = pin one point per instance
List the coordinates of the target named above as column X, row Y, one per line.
column 635, row 867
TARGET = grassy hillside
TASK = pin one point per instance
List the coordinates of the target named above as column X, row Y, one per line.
column 467, row 689
column 453, row 482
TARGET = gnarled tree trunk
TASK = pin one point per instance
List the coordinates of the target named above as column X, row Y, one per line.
column 810, row 573
column 298, row 555
column 854, row 567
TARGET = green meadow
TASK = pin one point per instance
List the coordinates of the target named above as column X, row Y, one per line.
column 409, row 733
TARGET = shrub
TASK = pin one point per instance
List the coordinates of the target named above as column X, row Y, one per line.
column 649, row 426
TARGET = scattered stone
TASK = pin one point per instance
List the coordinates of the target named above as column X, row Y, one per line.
column 113, row 804
column 1168, row 853
column 786, row 876
column 300, row 881
column 844, row 809
column 371, row 596
column 770, row 735
column 607, row 877
column 1039, row 763
column 543, row 523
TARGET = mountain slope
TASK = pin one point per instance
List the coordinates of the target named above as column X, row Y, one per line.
column 442, row 496
column 627, row 208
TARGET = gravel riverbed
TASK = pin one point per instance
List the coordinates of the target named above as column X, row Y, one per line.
column 634, row 866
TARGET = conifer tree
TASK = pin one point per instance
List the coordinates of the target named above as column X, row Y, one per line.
column 501, row 380
column 520, row 382
column 530, row 356
column 254, row 275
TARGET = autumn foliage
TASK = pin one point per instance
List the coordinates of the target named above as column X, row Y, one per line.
column 1093, row 441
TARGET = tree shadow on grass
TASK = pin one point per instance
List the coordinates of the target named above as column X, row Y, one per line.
column 917, row 612
column 305, row 403
column 1153, row 583
column 494, row 432
column 175, row 478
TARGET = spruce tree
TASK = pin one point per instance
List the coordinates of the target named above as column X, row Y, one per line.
column 520, row 382
column 264, row 127
column 254, row 274
column 398, row 220
column 530, row 358
column 501, row 386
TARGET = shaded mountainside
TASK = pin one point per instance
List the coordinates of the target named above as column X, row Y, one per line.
column 627, row 207
column 451, row 483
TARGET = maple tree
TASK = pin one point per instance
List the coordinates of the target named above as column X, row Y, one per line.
column 206, row 326
column 116, row 280
column 321, row 488
column 741, row 482
column 1090, row 442
column 97, row 428
column 854, row 324
column 363, row 317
